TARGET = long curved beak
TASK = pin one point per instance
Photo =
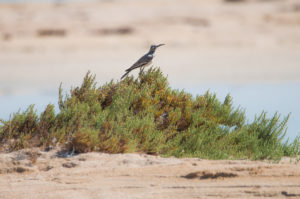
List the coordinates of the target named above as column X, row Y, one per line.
column 160, row 45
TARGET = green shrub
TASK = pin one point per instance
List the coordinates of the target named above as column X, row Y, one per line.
column 146, row 115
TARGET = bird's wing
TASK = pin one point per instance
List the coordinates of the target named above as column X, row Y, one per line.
column 141, row 62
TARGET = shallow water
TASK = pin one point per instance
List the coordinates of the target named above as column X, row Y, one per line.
column 254, row 98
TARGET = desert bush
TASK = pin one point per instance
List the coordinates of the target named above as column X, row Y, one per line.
column 146, row 115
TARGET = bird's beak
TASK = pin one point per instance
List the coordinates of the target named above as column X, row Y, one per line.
column 159, row 45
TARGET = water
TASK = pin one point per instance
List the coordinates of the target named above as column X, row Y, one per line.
column 254, row 98
column 13, row 103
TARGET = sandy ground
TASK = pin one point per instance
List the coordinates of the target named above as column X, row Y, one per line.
column 37, row 174
column 43, row 44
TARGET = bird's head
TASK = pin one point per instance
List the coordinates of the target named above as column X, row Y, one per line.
column 153, row 47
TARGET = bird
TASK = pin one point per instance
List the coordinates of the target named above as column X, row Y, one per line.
column 144, row 61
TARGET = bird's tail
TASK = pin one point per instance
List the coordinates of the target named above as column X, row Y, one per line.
column 125, row 74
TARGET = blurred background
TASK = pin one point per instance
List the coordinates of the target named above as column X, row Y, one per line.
column 248, row 48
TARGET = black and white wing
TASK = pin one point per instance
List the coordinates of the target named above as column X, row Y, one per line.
column 146, row 59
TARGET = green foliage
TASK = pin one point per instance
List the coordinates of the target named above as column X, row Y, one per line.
column 21, row 127
column 293, row 148
column 146, row 115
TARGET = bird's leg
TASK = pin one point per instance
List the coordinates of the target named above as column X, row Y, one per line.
column 142, row 70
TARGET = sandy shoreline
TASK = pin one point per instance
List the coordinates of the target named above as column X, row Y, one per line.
column 37, row 174
column 42, row 44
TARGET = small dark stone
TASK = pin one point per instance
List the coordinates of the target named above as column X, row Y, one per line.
column 20, row 169
column 48, row 168
column 69, row 164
